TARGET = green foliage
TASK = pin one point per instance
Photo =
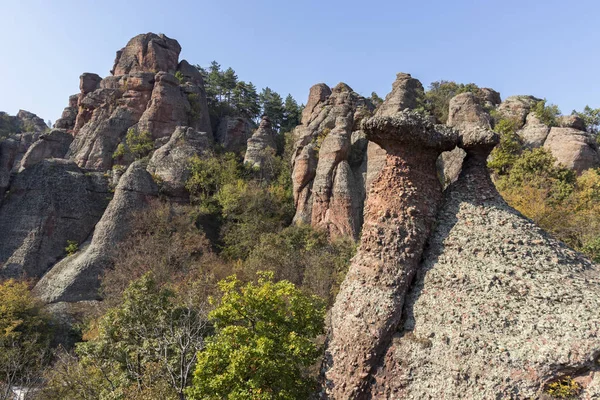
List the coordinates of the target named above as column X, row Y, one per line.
column 591, row 118
column 508, row 150
column 150, row 334
column 272, row 106
column 209, row 175
column 180, row 77
column 565, row 388
column 439, row 94
column 72, row 247
column 194, row 113
column 548, row 114
column 264, row 343
column 8, row 125
column 24, row 336
column 292, row 114
column 305, row 257
column 375, row 99
column 137, row 145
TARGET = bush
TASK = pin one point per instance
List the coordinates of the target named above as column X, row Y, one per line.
column 137, row 145
column 507, row 152
column 24, row 336
column 264, row 342
column 548, row 114
column 72, row 247
column 565, row 388
column 441, row 92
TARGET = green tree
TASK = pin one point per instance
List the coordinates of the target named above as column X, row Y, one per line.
column 591, row 118
column 292, row 114
column 272, row 106
column 137, row 145
column 547, row 113
column 151, row 333
column 508, row 150
column 264, row 343
column 24, row 338
column 245, row 100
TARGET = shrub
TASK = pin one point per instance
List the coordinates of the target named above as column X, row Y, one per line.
column 72, row 247
column 548, row 114
column 180, row 77
column 565, row 388
column 264, row 342
column 137, row 145
column 508, row 150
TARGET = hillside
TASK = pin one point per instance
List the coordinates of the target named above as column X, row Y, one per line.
column 437, row 243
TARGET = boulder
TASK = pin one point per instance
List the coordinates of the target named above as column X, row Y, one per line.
column 169, row 164
column 89, row 82
column 572, row 121
column 261, row 144
column 77, row 277
column 534, row 132
column 517, row 108
column 465, row 113
column 233, row 133
column 399, row 214
column 147, row 53
column 49, row 203
column 69, row 114
column 54, row 144
column 490, row 97
column 498, row 310
column 449, row 165
column 574, row 149
column 31, row 122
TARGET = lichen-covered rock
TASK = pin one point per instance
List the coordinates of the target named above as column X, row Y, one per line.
column 49, row 203
column 170, row 163
column 517, row 108
column 261, row 144
column 147, row 53
column 574, row 149
column 233, row 133
column 77, row 277
column 406, row 92
column 317, row 95
column 449, row 165
column 399, row 214
column 465, row 112
column 490, row 97
column 31, row 122
column 54, row 144
column 498, row 310
column 534, row 132
column 88, row 82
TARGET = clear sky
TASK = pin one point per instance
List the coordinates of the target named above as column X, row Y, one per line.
column 548, row 48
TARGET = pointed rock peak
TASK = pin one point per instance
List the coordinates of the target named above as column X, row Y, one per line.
column 406, row 92
column 190, row 73
column 342, row 87
column 265, row 123
column 147, row 52
column 318, row 94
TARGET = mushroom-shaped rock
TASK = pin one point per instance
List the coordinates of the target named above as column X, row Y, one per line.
column 499, row 309
column 170, row 163
column 77, row 277
column 574, row 149
column 261, row 145
column 147, row 53
column 399, row 214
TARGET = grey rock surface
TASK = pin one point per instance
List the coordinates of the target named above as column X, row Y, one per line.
column 534, row 132
column 77, row 277
column 261, row 144
column 49, row 203
column 574, row 149
column 54, row 144
column 233, row 133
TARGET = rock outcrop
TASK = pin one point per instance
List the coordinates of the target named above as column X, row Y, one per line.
column 147, row 53
column 572, row 148
column 498, row 309
column 517, row 108
column 169, row 164
column 69, row 114
column 142, row 94
column 333, row 164
column 261, row 144
column 399, row 214
column 534, row 132
column 233, row 133
column 54, row 144
column 49, row 204
column 77, row 277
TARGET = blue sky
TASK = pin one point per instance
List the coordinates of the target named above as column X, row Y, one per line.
column 548, row 48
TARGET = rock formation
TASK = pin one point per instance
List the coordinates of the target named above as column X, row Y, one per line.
column 76, row 277
column 142, row 94
column 260, row 144
column 170, row 163
column 54, row 144
column 399, row 214
column 49, row 204
column 517, row 108
column 333, row 164
column 233, row 133
column 69, row 114
column 498, row 308
column 574, row 149
column 534, row 132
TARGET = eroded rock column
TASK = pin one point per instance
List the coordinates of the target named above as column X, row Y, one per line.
column 399, row 214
